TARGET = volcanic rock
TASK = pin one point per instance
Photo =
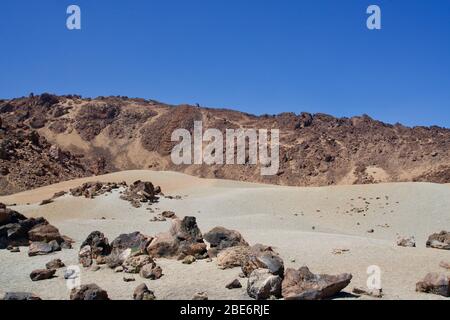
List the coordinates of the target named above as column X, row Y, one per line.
column 88, row 292
column 42, row 274
column 140, row 192
column 375, row 293
column 184, row 238
column 406, row 242
column 200, row 296
column 150, row 271
column 262, row 285
column 221, row 238
column 20, row 296
column 232, row 257
column 189, row 260
column 302, row 284
column 55, row 264
column 45, row 233
column 235, row 284
column 261, row 257
column 142, row 292
column 435, row 283
column 96, row 244
column 439, row 241
column 39, row 249
column 134, row 264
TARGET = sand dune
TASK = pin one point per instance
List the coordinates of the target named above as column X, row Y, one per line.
column 303, row 224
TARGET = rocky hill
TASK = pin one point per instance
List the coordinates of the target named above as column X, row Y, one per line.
column 45, row 139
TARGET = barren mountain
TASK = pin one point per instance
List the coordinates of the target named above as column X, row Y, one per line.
column 47, row 138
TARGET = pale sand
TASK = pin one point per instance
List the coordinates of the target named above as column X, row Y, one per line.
column 283, row 217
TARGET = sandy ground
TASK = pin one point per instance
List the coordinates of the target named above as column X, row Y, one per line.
column 303, row 224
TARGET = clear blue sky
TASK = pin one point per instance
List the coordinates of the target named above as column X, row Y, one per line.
column 258, row 56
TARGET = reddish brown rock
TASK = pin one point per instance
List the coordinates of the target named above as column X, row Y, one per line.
column 89, row 292
column 45, row 233
column 42, row 274
column 302, row 284
column 142, row 292
column 435, row 283
column 183, row 239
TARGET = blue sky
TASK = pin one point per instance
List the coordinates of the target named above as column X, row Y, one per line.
column 256, row 56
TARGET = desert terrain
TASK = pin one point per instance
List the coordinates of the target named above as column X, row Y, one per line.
column 331, row 229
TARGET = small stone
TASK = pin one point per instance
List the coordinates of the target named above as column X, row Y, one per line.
column 142, row 292
column 118, row 269
column 376, row 293
column 128, row 279
column 235, row 284
column 20, row 296
column 15, row 250
column 409, row 242
column 189, row 260
column 55, row 264
column 200, row 296
column 42, row 274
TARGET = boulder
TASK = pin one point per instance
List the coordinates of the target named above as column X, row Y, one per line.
column 85, row 256
column 183, row 239
column 15, row 227
column 20, row 296
column 232, row 257
column 406, row 242
column 117, row 258
column 221, row 238
column 302, row 284
column 261, row 257
column 435, row 283
column 134, row 241
column 45, row 233
column 186, row 230
column 163, row 245
column 151, row 272
column 140, row 192
column 88, row 292
column 42, row 274
column 439, row 241
column 134, row 264
column 142, row 292
column 39, row 249
column 99, row 244
column 262, row 285
column 55, row 264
